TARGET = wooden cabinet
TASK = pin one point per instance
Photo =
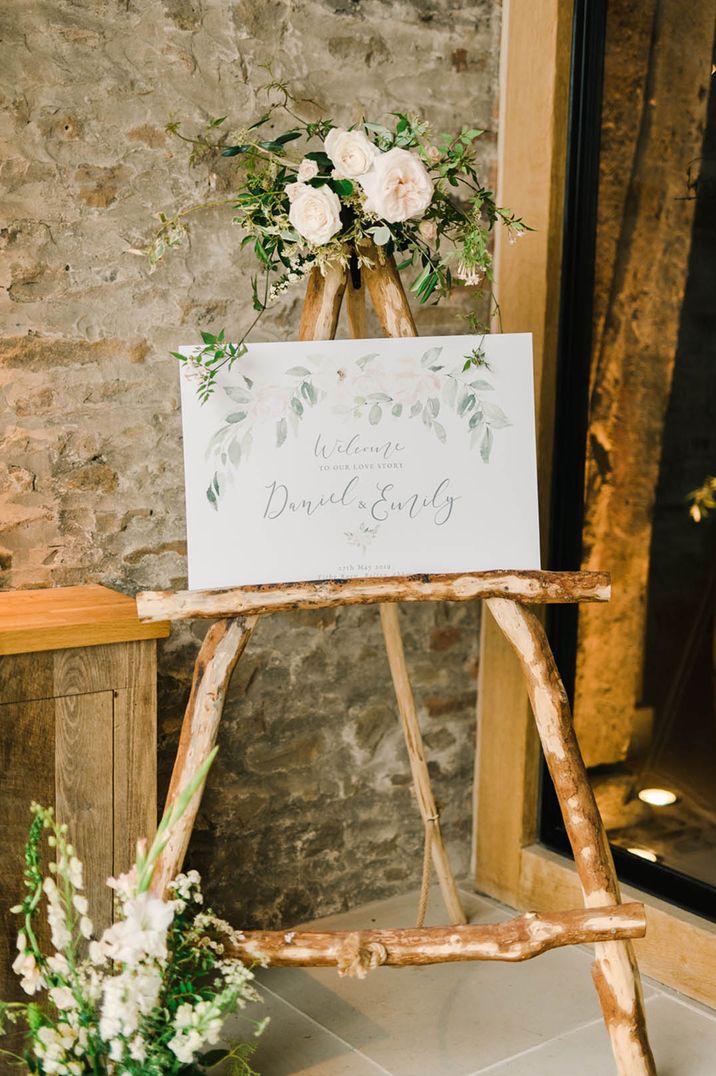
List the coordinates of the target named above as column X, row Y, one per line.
column 78, row 731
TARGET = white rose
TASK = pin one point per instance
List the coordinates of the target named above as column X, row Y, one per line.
column 352, row 152
column 307, row 170
column 315, row 212
column 397, row 187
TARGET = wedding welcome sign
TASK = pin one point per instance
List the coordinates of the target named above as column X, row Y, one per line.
column 352, row 458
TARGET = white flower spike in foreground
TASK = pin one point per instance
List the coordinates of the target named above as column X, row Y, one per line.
column 155, row 988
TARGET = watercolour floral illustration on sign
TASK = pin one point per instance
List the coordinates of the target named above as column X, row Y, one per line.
column 351, row 458
column 419, row 390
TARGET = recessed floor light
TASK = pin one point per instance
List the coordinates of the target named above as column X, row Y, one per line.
column 644, row 853
column 658, row 797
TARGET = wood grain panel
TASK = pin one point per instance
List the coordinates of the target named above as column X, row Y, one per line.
column 56, row 618
column 94, row 668
column 84, row 789
column 534, row 95
column 135, row 747
column 27, row 763
column 679, row 948
column 24, row 677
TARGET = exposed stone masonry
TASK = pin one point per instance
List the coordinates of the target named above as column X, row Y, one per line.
column 309, row 808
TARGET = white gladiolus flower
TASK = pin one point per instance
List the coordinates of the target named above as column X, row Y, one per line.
column 142, row 932
column 195, row 1025
column 58, row 964
column 125, row 998
column 307, row 169
column 315, row 212
column 80, row 904
column 397, row 187
column 74, row 872
column 26, row 967
column 63, row 998
column 56, row 917
column 352, row 152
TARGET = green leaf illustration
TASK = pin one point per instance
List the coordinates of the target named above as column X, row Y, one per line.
column 237, row 395
column 495, row 416
column 235, row 452
column 375, row 414
column 365, row 359
column 397, row 410
column 297, row 405
column 299, row 371
column 486, row 446
column 440, row 432
column 416, row 408
column 281, row 432
column 431, row 356
column 236, row 416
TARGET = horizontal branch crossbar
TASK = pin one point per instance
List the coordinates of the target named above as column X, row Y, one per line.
column 531, row 587
column 356, row 952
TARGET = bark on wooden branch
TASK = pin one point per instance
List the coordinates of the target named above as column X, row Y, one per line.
column 615, row 970
column 355, row 309
column 387, row 295
column 418, row 763
column 518, row 939
column 223, row 645
column 526, row 586
column 322, row 304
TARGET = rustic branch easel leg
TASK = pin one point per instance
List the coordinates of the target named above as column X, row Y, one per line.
column 394, row 313
column 615, row 970
column 222, row 647
column 418, row 765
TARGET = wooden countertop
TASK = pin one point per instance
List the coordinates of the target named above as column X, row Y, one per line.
column 62, row 617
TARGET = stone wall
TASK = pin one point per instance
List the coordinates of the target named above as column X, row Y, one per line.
column 310, row 806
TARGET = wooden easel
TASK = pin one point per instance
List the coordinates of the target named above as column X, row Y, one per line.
column 606, row 921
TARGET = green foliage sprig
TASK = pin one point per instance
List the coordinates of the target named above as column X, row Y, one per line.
column 445, row 243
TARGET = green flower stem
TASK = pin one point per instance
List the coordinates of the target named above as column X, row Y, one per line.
column 169, row 819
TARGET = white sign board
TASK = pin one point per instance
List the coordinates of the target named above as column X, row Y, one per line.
column 354, row 458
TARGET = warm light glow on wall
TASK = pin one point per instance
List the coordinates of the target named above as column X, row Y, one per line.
column 657, row 797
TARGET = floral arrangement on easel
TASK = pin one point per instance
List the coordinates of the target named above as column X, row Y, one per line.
column 149, row 995
column 351, row 195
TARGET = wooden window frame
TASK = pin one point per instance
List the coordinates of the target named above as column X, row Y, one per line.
column 508, row 862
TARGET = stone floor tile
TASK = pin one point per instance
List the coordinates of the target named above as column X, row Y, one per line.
column 294, row 1045
column 683, row 1041
column 445, row 1020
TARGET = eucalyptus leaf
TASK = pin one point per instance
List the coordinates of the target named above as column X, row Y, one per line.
column 237, row 395
column 416, row 408
column 299, row 371
column 281, row 432
column 495, row 416
column 397, row 410
column 375, row 414
column 235, row 452
column 486, row 445
column 297, row 405
column 431, row 356
column 236, row 416
column 440, row 431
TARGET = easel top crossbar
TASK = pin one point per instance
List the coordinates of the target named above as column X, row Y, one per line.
column 530, row 587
